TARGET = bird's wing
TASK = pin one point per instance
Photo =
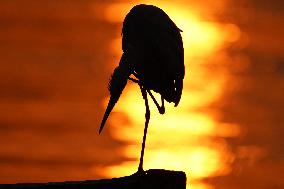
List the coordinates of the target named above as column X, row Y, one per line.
column 169, row 42
column 158, row 46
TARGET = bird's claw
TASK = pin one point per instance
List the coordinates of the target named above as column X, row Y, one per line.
column 140, row 172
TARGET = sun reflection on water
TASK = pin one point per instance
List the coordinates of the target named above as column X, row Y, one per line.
column 187, row 138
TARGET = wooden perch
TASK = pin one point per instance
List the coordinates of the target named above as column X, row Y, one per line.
column 153, row 178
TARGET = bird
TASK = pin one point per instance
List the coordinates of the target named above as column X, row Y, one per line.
column 153, row 57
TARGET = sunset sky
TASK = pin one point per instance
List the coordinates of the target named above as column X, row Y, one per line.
column 56, row 58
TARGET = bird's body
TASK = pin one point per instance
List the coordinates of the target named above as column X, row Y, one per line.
column 154, row 43
column 152, row 52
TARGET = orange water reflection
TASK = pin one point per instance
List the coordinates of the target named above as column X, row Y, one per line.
column 190, row 137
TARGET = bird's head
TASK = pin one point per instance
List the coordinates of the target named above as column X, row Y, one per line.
column 116, row 85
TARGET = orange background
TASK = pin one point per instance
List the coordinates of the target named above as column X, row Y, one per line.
column 56, row 58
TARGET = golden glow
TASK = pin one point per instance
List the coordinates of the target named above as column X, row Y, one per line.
column 188, row 137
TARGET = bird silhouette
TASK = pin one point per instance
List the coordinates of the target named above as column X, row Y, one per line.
column 153, row 53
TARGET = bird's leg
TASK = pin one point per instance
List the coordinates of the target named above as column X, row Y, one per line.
column 147, row 116
column 134, row 80
column 160, row 108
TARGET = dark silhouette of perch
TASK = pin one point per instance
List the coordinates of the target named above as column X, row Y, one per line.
column 153, row 53
column 152, row 179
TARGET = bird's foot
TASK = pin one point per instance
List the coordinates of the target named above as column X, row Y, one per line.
column 140, row 172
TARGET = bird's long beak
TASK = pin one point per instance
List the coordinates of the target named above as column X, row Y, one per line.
column 112, row 101
column 117, row 83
